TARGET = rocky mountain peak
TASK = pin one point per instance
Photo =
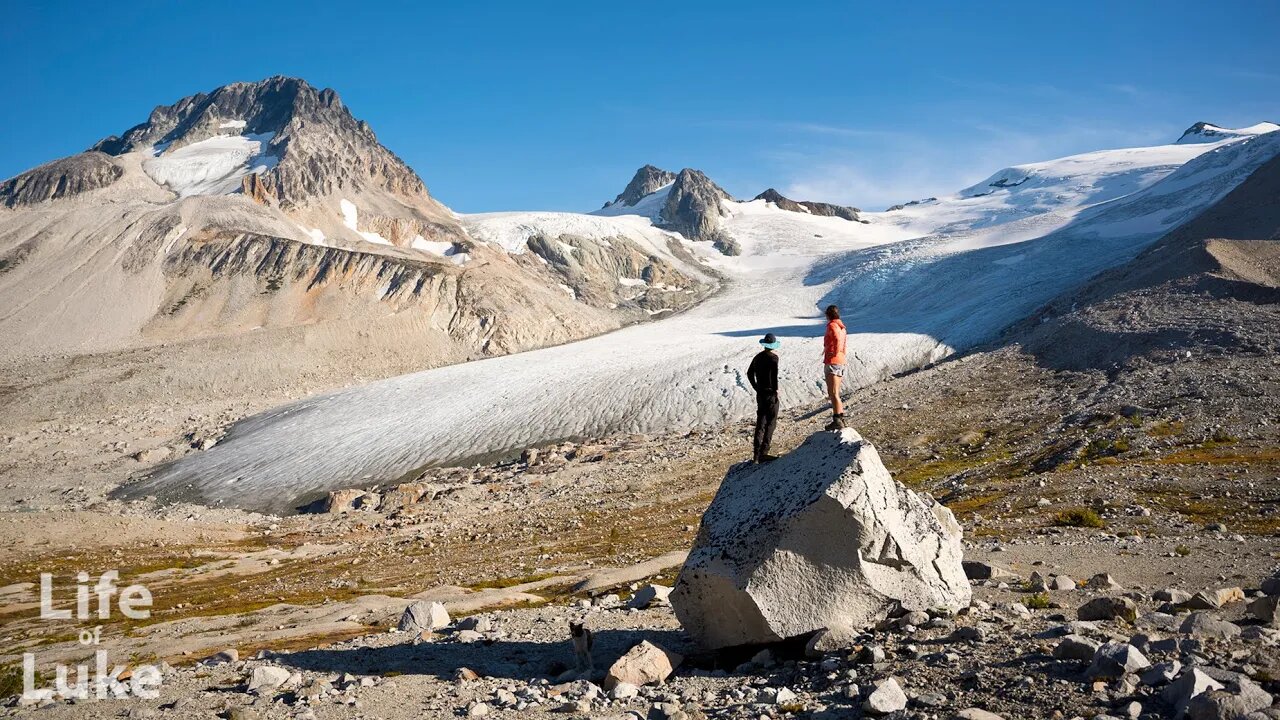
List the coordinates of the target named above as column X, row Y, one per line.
column 694, row 207
column 646, row 181
column 808, row 206
column 1203, row 132
column 311, row 144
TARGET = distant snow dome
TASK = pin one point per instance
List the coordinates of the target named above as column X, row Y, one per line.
column 1203, row 132
column 210, row 167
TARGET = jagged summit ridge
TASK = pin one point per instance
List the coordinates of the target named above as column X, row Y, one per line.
column 694, row 207
column 646, row 181
column 316, row 147
column 1204, row 132
column 808, row 206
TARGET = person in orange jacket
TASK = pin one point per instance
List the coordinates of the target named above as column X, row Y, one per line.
column 833, row 360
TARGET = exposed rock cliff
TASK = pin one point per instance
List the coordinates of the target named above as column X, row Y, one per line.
column 808, row 206
column 59, row 179
column 646, row 181
column 694, row 208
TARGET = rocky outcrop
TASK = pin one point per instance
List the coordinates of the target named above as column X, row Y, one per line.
column 646, row 181
column 257, row 189
column 694, row 207
column 819, row 538
column 59, row 179
column 808, row 206
column 616, row 273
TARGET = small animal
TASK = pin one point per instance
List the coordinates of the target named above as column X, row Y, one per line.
column 583, row 640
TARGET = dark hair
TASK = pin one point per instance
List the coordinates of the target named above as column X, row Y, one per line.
column 833, row 312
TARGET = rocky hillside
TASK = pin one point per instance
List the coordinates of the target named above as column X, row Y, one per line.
column 1213, row 281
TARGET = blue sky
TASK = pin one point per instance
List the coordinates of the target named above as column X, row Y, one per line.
column 516, row 106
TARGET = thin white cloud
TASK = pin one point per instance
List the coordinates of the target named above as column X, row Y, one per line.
column 912, row 167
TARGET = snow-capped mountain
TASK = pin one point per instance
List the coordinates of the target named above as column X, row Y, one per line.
column 1203, row 132
column 267, row 208
column 915, row 285
column 691, row 204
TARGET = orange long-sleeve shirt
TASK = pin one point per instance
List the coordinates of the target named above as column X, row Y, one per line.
column 833, row 343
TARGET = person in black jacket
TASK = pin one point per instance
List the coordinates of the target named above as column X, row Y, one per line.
column 763, row 376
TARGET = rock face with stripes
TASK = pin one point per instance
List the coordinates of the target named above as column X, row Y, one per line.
column 821, row 537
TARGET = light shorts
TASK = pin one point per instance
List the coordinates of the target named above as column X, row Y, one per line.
column 836, row 370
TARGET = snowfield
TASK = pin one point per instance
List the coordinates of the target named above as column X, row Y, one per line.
column 915, row 285
column 210, row 167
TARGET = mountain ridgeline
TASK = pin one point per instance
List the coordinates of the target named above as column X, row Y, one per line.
column 690, row 203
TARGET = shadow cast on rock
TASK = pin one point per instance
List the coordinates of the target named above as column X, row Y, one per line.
column 516, row 659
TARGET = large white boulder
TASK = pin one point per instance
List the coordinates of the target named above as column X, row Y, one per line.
column 822, row 537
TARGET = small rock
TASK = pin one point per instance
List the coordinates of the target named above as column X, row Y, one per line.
column 1075, row 647
column 1103, row 581
column 340, row 501
column 226, row 656
column 976, row 714
column 871, row 655
column 829, row 640
column 651, row 596
column 1061, row 582
column 152, row 455
column 1188, row 685
column 1214, row 599
column 1271, row 585
column 1115, row 659
column 1266, row 609
column 1171, row 595
column 478, row 623
column 266, row 678
column 423, row 616
column 643, row 664
column 1206, row 626
column 1161, row 673
column 888, row 697
column 979, row 570
column 623, row 691
column 1108, row 608
column 1229, row 703
column 784, row 696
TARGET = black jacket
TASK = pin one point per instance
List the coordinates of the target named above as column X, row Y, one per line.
column 763, row 373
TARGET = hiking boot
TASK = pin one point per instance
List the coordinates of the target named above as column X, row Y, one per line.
column 837, row 422
column 766, row 458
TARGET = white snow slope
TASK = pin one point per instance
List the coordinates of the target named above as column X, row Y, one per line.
column 210, row 167
column 914, row 284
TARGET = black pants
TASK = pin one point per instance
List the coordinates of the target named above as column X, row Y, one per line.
column 766, row 418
